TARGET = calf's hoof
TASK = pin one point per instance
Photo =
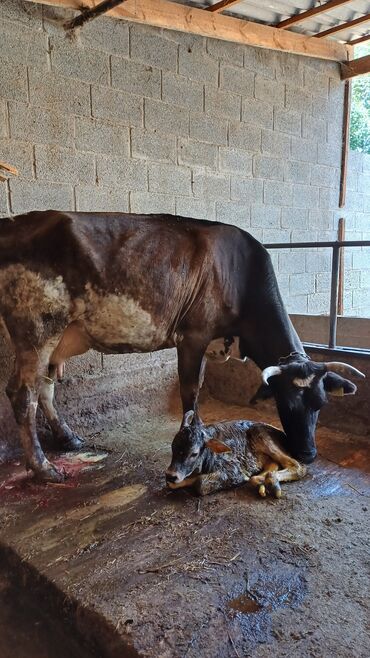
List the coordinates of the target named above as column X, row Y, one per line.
column 47, row 472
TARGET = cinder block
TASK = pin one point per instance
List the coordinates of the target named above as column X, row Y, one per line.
column 329, row 154
column 305, row 196
column 287, row 122
column 222, row 104
column 153, row 146
column 208, row 129
column 274, row 235
column 323, row 281
column 365, row 162
column 265, row 217
column 117, row 106
column 102, row 137
column 74, row 61
column 36, row 195
column 329, row 198
column 211, row 186
column 19, row 154
column 297, row 235
column 121, row 172
column 197, row 208
column 276, row 144
column 361, row 259
column 317, row 261
column 136, row 78
column 107, row 34
column 353, row 280
column 244, row 136
column 291, row 262
column 169, row 179
column 196, row 64
column 257, row 233
column 3, row 119
column 297, row 172
column 364, row 278
column 39, row 125
column 277, row 193
column 179, row 90
column 235, row 160
column 149, row 47
column 319, row 303
column 302, row 284
column 13, row 81
column 297, row 100
column 294, row 218
column 21, row 45
column 260, row 61
column 191, row 152
column 250, row 190
column 148, row 203
column 270, row 91
column 225, row 51
column 4, row 210
column 321, row 219
column 316, row 82
column 237, row 81
column 231, row 212
column 289, row 68
column 166, row 118
column 361, row 301
column 267, row 167
column 297, row 304
column 363, row 184
column 58, row 92
column 257, row 113
column 101, row 199
column 64, row 165
column 355, row 160
column 325, row 176
column 313, row 128
column 304, row 149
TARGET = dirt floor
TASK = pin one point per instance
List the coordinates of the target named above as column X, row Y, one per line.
column 113, row 564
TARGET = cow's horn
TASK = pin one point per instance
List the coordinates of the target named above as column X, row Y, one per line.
column 343, row 368
column 271, row 371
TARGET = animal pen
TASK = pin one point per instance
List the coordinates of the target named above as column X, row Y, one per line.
column 236, row 112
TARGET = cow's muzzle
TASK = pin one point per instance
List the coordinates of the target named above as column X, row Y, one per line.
column 306, row 456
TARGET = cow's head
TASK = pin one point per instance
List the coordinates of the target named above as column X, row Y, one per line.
column 190, row 449
column 300, row 388
column 223, row 349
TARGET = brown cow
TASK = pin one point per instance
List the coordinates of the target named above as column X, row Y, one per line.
column 122, row 283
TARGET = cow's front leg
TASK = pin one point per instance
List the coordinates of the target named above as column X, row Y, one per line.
column 224, row 479
column 63, row 435
column 191, row 365
column 23, row 392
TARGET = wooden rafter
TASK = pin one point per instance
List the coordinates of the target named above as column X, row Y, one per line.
column 92, row 13
column 354, row 42
column 344, row 26
column 173, row 16
column 359, row 66
column 298, row 18
column 221, row 6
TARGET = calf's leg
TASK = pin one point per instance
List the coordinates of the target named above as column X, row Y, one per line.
column 63, row 435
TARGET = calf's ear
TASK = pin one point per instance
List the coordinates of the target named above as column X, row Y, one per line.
column 218, row 446
column 336, row 385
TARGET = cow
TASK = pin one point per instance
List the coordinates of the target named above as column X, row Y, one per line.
column 119, row 283
column 228, row 454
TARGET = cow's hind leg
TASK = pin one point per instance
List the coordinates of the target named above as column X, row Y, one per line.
column 23, row 390
column 64, row 437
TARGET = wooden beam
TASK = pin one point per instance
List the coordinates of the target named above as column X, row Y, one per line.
column 298, row 18
column 359, row 66
column 172, row 16
column 354, row 42
column 344, row 26
column 9, row 168
column 221, row 6
column 345, row 143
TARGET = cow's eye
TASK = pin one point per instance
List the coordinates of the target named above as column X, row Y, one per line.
column 195, row 454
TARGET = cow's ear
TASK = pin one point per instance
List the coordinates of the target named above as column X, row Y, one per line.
column 188, row 418
column 218, row 446
column 336, row 385
column 263, row 393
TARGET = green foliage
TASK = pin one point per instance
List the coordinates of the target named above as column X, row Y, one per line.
column 360, row 108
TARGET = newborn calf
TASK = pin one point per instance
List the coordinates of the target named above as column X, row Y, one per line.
column 225, row 455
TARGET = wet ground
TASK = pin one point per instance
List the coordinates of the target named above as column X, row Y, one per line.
column 113, row 564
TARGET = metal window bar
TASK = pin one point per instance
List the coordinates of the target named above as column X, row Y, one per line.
column 333, row 316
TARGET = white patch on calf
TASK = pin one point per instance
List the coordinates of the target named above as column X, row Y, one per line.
column 24, row 293
column 118, row 319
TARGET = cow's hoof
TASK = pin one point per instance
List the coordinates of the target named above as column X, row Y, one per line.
column 49, row 473
column 71, row 441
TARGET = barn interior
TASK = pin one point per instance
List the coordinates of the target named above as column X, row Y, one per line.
column 228, row 111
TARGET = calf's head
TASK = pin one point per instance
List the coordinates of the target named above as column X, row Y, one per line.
column 190, row 448
column 300, row 388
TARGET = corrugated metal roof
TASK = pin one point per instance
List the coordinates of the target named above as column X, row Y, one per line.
column 272, row 12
